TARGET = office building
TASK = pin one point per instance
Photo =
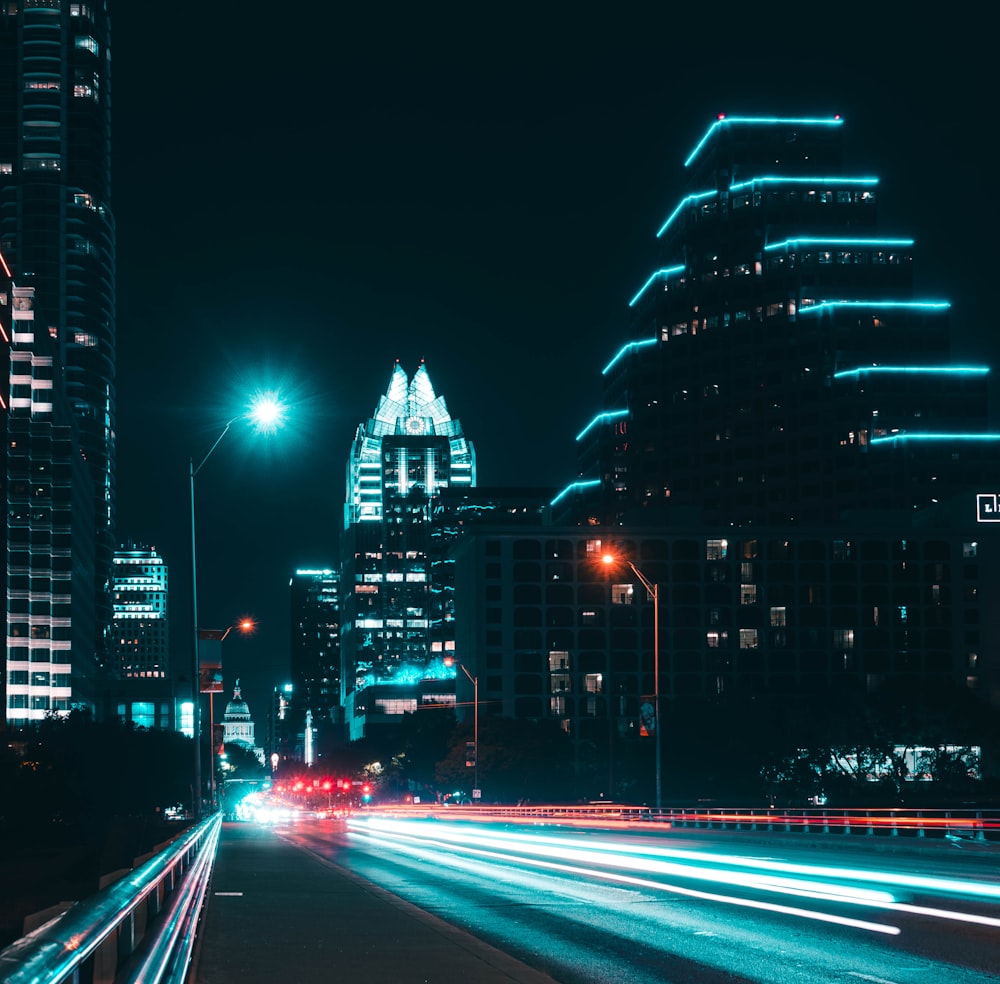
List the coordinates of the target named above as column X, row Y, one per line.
column 398, row 618
column 746, row 616
column 57, row 233
column 315, row 647
column 786, row 450
column 779, row 365
column 141, row 639
column 51, row 663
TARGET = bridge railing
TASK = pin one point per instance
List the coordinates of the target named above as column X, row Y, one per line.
column 961, row 823
column 141, row 928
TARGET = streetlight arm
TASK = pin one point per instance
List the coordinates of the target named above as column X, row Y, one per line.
column 646, row 583
column 218, row 440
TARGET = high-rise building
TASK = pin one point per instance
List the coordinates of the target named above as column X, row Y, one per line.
column 780, row 366
column 141, row 640
column 57, row 233
column 51, row 663
column 315, row 646
column 786, row 450
column 398, row 618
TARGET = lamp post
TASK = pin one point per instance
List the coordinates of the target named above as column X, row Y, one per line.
column 247, row 626
column 654, row 591
column 475, row 715
column 266, row 412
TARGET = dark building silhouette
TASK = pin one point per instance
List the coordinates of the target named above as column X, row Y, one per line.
column 315, row 648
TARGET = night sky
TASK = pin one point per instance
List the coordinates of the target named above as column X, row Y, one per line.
column 304, row 195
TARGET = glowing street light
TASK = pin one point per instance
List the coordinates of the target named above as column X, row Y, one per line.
column 266, row 414
column 654, row 591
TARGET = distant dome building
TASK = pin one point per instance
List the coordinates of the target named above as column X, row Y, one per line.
column 238, row 727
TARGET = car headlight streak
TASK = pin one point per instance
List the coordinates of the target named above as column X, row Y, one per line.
column 605, row 860
column 417, row 846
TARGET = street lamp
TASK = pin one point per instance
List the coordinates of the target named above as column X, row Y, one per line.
column 247, row 626
column 266, row 413
column 654, row 591
column 475, row 718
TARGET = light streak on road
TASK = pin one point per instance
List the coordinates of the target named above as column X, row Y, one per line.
column 660, row 886
column 815, row 882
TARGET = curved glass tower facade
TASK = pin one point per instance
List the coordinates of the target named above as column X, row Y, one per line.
column 57, row 231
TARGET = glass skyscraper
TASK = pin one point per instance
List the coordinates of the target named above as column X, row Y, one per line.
column 57, row 234
column 398, row 618
column 315, row 646
column 141, row 641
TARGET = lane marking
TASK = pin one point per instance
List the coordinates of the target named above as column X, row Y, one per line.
column 237, row 895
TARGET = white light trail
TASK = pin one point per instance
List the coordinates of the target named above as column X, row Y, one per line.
column 805, row 881
column 410, row 843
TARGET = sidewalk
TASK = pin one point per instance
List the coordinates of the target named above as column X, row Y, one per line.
column 278, row 915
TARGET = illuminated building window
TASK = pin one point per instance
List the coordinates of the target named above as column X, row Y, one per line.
column 843, row 638
column 749, row 639
column 558, row 660
column 593, row 683
column 621, row 594
column 560, row 683
column 778, row 616
column 716, row 549
column 748, row 594
column 37, row 163
column 396, row 705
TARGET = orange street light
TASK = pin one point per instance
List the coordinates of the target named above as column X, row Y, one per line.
column 610, row 560
column 451, row 661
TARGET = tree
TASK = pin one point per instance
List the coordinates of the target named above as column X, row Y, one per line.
column 518, row 760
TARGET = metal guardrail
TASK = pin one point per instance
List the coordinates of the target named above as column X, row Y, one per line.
column 967, row 824
column 141, row 928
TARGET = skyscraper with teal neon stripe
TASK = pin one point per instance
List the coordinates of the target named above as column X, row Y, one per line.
column 777, row 363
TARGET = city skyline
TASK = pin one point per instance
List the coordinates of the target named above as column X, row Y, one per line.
column 490, row 213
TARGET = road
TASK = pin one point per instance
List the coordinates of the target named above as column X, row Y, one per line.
column 689, row 906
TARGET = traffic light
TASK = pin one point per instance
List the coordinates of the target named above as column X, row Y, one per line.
column 366, row 792
column 470, row 754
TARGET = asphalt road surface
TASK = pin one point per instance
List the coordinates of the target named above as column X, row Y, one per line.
column 689, row 906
